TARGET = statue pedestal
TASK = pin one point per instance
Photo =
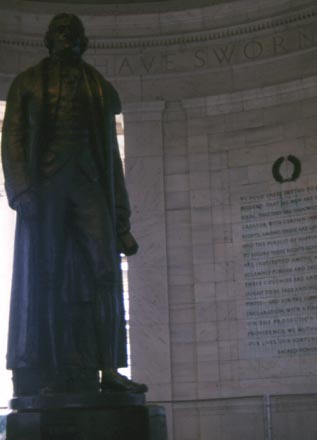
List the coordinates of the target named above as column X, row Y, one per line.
column 103, row 416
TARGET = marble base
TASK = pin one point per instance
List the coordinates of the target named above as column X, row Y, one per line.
column 158, row 425
column 105, row 416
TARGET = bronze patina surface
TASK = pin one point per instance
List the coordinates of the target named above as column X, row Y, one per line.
column 64, row 177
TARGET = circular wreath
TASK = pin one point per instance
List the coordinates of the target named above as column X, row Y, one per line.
column 277, row 166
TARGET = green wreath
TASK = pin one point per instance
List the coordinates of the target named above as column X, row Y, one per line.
column 296, row 172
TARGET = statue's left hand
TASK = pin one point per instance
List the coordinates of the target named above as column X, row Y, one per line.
column 127, row 244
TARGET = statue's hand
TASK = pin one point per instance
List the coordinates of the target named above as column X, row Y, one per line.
column 127, row 244
column 27, row 205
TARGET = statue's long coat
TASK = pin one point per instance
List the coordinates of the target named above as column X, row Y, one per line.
column 33, row 321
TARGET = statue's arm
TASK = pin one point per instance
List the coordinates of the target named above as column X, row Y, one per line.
column 14, row 160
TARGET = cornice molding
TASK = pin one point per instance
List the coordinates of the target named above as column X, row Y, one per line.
column 252, row 99
column 121, row 8
column 275, row 23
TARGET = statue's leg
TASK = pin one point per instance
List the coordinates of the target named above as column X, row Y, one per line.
column 73, row 352
column 95, row 235
column 98, row 243
column 51, row 229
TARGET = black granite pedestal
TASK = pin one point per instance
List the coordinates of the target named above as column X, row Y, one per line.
column 103, row 416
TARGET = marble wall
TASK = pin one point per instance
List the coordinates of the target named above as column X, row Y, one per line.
column 220, row 117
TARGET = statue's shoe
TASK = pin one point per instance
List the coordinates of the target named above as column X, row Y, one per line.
column 114, row 381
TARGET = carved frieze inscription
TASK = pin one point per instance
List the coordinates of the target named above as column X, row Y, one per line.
column 217, row 54
column 181, row 54
column 279, row 232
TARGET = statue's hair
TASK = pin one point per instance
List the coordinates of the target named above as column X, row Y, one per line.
column 78, row 25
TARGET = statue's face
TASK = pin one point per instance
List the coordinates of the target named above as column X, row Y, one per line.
column 65, row 36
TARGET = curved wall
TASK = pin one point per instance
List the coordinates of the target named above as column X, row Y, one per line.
column 176, row 54
column 213, row 96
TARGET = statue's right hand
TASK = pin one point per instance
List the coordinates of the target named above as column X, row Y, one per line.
column 27, row 205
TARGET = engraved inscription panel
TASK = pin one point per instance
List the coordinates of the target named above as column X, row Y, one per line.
column 279, row 232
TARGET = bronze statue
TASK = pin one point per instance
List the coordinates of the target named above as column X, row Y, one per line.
column 63, row 176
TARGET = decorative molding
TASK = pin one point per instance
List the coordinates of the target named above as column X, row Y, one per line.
column 144, row 107
column 143, row 111
column 131, row 5
column 252, row 99
column 276, row 23
column 137, row 7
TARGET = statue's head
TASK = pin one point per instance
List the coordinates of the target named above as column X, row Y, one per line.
column 66, row 33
